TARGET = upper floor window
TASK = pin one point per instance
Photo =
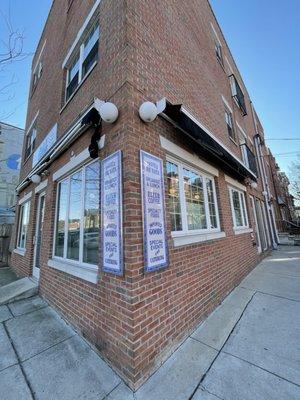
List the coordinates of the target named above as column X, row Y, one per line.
column 23, row 225
column 218, row 46
column 238, row 208
column 192, row 200
column 229, row 123
column 238, row 94
column 78, row 216
column 38, row 68
column 30, row 141
column 83, row 60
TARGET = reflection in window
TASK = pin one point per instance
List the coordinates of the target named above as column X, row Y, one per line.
column 194, row 197
column 77, row 225
column 174, row 198
column 74, row 216
column 23, row 225
column 91, row 214
column 61, row 218
column 238, row 206
column 211, row 203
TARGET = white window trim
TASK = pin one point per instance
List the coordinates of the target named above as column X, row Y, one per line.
column 186, row 236
column 235, row 183
column 245, row 227
column 86, row 272
column 185, row 156
column 80, row 33
column 39, row 58
column 242, row 130
column 75, row 162
column 25, row 198
column 215, row 33
column 22, row 250
column 41, row 186
column 32, row 123
column 80, row 269
column 226, row 104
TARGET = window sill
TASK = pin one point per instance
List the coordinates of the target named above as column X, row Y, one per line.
column 78, row 87
column 233, row 140
column 184, row 239
column 82, row 271
column 19, row 251
column 240, row 231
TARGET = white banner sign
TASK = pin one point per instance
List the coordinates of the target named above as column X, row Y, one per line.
column 153, row 194
column 111, row 212
column 46, row 145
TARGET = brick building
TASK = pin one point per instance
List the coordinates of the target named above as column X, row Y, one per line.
column 137, row 256
column 281, row 199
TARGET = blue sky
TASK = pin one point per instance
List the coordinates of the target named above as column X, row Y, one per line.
column 263, row 36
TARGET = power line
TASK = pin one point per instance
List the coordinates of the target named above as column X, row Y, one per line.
column 283, row 139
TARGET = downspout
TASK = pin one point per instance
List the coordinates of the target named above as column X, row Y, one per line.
column 266, row 192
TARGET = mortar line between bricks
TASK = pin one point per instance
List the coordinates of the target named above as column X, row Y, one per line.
column 263, row 369
column 48, row 348
column 214, row 359
column 19, row 362
column 274, row 295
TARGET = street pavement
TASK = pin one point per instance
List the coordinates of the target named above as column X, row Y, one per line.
column 247, row 349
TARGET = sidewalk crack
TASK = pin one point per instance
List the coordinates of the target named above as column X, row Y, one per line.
column 19, row 362
column 219, row 351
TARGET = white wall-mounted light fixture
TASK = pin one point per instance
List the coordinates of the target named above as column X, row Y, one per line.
column 108, row 111
column 253, row 185
column 148, row 111
column 35, row 178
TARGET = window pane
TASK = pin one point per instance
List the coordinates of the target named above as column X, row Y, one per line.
column 24, row 220
column 91, row 214
column 243, row 209
column 211, row 203
column 195, row 209
column 74, row 216
column 61, row 218
column 90, row 53
column 91, row 40
column 237, row 208
column 174, row 198
column 73, row 77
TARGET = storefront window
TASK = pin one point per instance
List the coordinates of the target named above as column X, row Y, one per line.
column 192, row 199
column 78, row 216
column 238, row 207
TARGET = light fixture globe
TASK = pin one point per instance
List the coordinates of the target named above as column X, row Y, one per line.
column 253, row 185
column 35, row 178
column 148, row 111
column 109, row 112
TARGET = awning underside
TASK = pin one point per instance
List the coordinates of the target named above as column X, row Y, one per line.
column 207, row 147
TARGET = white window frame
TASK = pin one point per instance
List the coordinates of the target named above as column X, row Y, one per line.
column 79, row 52
column 77, row 268
column 185, row 232
column 20, row 224
column 227, row 112
column 242, row 201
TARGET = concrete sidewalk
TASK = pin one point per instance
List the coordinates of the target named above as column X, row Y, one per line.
column 248, row 348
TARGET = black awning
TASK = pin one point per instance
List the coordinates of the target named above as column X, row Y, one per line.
column 207, row 146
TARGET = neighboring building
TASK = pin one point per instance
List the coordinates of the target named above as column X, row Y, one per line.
column 11, row 141
column 156, row 272
column 281, row 200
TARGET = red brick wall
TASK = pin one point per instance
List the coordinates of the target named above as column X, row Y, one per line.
column 148, row 50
